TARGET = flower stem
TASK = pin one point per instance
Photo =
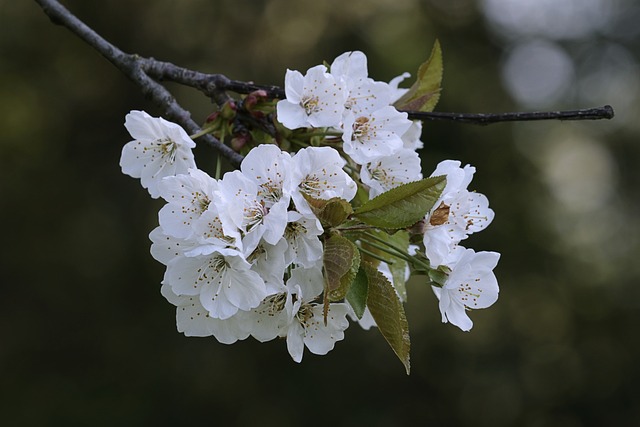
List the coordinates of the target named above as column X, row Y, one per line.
column 374, row 255
column 202, row 132
column 386, row 249
column 393, row 250
column 218, row 167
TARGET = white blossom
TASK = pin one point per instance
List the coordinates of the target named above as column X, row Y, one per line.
column 470, row 285
column 210, row 235
column 268, row 166
column 270, row 263
column 307, row 326
column 317, row 172
column 384, row 173
column 188, row 196
column 271, row 318
column 276, row 314
column 457, row 213
column 164, row 248
column 241, row 208
column 374, row 134
column 244, row 254
column 193, row 320
column 222, row 279
column 314, row 100
column 303, row 245
column 364, row 94
column 160, row 148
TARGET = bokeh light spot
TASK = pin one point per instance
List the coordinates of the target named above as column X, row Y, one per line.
column 537, row 73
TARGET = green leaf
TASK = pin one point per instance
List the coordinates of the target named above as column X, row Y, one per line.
column 425, row 92
column 387, row 311
column 402, row 206
column 341, row 262
column 357, row 294
column 332, row 212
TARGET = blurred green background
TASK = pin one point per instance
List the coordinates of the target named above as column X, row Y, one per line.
column 87, row 339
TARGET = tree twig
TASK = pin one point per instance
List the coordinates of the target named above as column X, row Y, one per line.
column 605, row 112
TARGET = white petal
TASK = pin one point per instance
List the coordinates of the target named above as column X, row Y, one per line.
column 321, row 339
column 139, row 124
column 292, row 116
column 350, row 65
column 295, row 341
column 130, row 159
column 293, row 86
column 187, row 275
column 457, row 315
column 438, row 245
column 244, row 289
column 307, row 283
column 270, row 319
column 479, row 215
column 165, row 248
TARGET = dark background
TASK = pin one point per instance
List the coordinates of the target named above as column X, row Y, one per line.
column 87, row 339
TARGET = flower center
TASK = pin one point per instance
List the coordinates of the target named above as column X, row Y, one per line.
column 218, row 263
column 168, row 148
column 310, row 185
column 304, row 314
column 270, row 192
column 254, row 215
column 378, row 174
column 361, row 128
column 293, row 230
column 276, row 303
column 311, row 104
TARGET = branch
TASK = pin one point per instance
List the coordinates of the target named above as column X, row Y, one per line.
column 598, row 113
column 133, row 67
column 208, row 84
column 211, row 84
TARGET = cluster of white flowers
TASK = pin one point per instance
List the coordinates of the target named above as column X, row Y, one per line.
column 375, row 135
column 244, row 254
column 230, row 244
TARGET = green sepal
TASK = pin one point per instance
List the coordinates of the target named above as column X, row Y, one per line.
column 332, row 212
column 388, row 312
column 402, row 206
column 425, row 91
column 438, row 278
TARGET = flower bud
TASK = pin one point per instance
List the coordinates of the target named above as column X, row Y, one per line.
column 240, row 140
